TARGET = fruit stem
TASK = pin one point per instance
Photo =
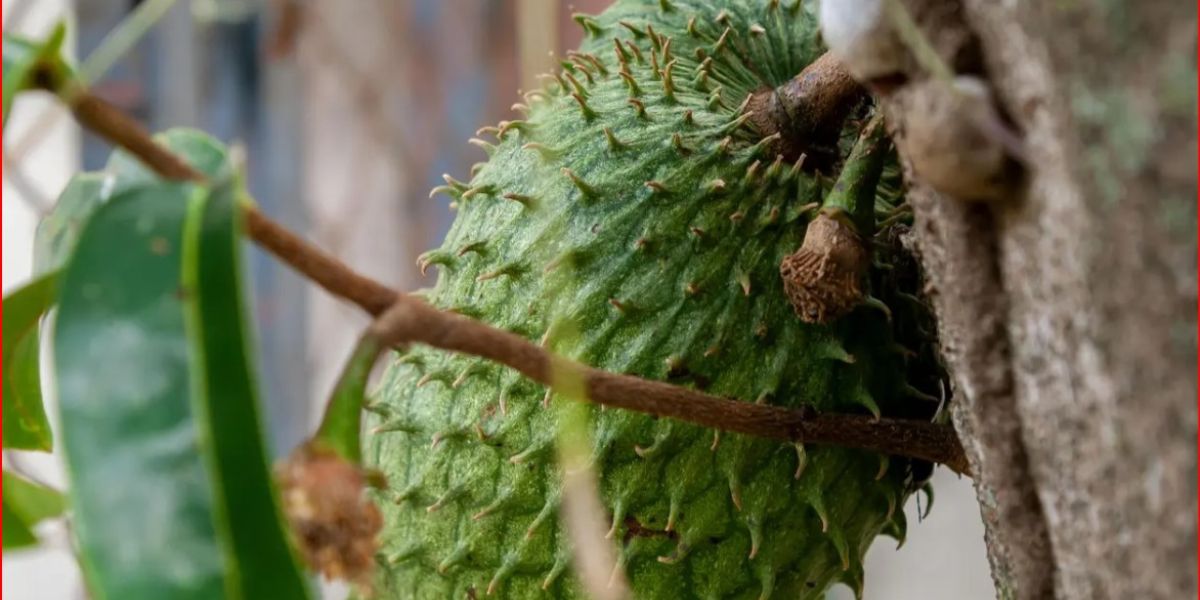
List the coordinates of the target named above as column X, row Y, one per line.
column 808, row 110
column 818, row 100
column 342, row 422
column 823, row 279
column 854, row 192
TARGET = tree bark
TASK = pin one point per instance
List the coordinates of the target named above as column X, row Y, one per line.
column 957, row 244
column 1068, row 312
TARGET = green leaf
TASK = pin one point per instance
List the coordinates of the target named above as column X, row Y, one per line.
column 32, row 501
column 170, row 490
column 257, row 535
column 25, row 504
column 56, row 234
column 17, row 534
column 198, row 149
column 22, row 59
column 141, row 496
column 25, row 423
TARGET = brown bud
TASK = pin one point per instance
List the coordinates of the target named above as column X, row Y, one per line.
column 334, row 524
column 823, row 279
column 957, row 141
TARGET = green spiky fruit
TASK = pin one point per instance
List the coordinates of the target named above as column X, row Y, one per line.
column 635, row 221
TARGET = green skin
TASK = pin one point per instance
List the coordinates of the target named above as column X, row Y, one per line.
column 659, row 283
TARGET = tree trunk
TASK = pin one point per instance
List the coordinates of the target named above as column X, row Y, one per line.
column 1068, row 312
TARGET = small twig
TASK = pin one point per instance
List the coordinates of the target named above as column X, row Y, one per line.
column 411, row 320
column 121, row 130
column 289, row 23
column 327, row 271
column 121, row 39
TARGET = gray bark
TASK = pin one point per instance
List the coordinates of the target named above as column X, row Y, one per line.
column 957, row 244
column 1069, row 311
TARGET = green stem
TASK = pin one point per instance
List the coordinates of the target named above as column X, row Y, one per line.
column 122, row 39
column 854, row 191
column 340, row 426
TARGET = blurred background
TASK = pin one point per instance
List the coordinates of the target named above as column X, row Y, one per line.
column 349, row 111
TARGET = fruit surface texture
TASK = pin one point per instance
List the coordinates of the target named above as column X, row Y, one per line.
column 633, row 219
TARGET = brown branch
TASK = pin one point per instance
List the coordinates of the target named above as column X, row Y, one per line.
column 123, row 131
column 411, row 320
column 327, row 271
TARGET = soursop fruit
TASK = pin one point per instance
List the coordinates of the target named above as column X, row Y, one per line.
column 637, row 206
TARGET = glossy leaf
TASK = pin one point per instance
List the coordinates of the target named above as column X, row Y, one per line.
column 17, row 534
column 56, row 234
column 198, row 149
column 22, row 58
column 140, row 491
column 25, row 423
column 169, row 484
column 227, row 413
column 26, row 504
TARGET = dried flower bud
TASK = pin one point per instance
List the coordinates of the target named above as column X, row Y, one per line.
column 334, row 523
column 823, row 279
